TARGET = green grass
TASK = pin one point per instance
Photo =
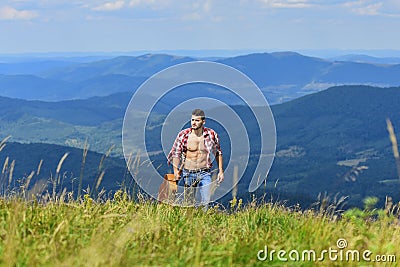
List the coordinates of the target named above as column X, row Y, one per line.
column 121, row 232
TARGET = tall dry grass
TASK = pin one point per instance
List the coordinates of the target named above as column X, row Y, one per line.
column 395, row 148
column 121, row 232
column 57, row 229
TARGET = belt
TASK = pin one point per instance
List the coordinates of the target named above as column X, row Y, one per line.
column 197, row 170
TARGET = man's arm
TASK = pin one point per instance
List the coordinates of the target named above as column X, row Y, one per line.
column 218, row 157
column 175, row 155
column 175, row 164
column 220, row 168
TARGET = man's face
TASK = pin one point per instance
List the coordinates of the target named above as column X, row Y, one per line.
column 197, row 122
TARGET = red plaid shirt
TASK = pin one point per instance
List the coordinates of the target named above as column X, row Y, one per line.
column 211, row 143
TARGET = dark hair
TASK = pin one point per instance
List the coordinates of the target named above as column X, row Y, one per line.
column 199, row 112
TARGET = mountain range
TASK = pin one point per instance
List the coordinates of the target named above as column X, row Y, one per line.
column 334, row 141
column 281, row 76
column 330, row 117
column 360, row 58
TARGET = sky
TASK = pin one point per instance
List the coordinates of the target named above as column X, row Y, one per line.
column 40, row 26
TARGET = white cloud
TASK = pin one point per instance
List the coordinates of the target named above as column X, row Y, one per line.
column 157, row 5
column 286, row 3
column 110, row 6
column 203, row 6
column 372, row 9
column 362, row 7
column 207, row 5
column 9, row 13
column 199, row 10
column 391, row 8
column 152, row 3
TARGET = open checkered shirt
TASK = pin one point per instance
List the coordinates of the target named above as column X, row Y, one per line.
column 211, row 143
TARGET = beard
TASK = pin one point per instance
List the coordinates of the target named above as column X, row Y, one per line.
column 194, row 127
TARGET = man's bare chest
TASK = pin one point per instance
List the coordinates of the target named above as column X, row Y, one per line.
column 195, row 143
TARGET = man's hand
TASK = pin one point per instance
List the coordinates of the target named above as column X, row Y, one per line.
column 220, row 177
column 177, row 175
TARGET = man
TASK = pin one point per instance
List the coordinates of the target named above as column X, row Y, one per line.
column 192, row 150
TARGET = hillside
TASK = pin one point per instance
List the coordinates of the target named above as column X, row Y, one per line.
column 43, row 160
column 141, row 66
column 334, row 141
column 280, row 68
column 97, row 119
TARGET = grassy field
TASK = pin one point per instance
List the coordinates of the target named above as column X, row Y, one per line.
column 121, row 232
column 60, row 230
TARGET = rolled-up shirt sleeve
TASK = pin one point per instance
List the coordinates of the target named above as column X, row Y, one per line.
column 217, row 146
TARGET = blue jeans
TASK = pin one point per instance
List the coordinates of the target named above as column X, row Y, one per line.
column 190, row 181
